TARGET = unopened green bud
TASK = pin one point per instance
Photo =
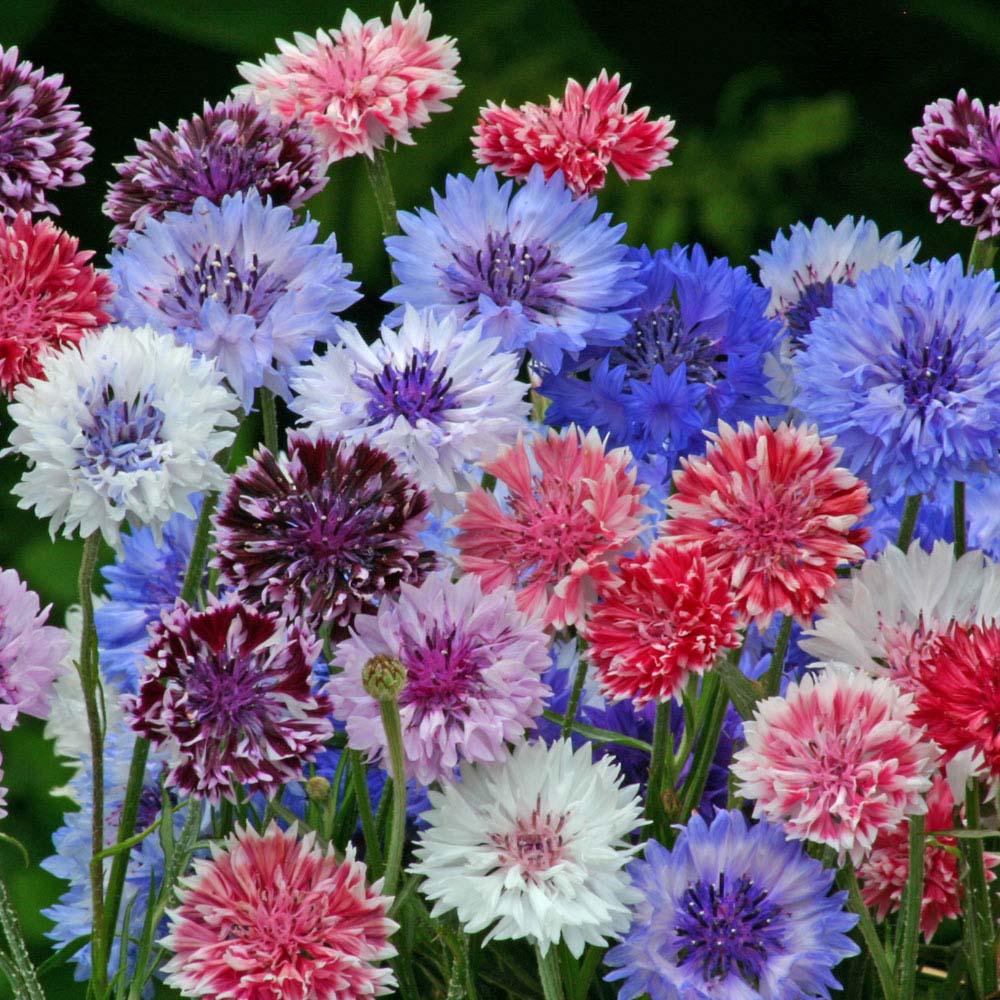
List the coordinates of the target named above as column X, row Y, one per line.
column 383, row 677
column 318, row 789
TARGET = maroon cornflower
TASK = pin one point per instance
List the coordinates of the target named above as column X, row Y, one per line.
column 957, row 152
column 42, row 143
column 229, row 691
column 321, row 534
column 229, row 148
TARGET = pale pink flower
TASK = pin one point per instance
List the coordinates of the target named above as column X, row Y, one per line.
column 582, row 135
column 836, row 760
column 572, row 509
column 361, row 85
column 272, row 917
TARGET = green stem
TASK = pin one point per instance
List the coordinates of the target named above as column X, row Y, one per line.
column 394, row 737
column 959, row 518
column 359, row 776
column 978, row 913
column 662, row 746
column 883, row 967
column 378, row 175
column 715, row 702
column 269, row 417
column 772, row 680
column 90, row 686
column 908, row 930
column 982, row 253
column 199, row 550
column 909, row 522
column 548, row 973
column 574, row 698
column 18, row 951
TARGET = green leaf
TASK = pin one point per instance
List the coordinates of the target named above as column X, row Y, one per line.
column 601, row 736
column 743, row 692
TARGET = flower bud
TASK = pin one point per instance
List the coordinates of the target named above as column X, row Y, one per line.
column 318, row 789
column 383, row 677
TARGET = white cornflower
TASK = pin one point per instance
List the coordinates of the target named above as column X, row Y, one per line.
column 436, row 397
column 535, row 846
column 123, row 428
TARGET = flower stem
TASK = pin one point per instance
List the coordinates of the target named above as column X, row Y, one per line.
column 908, row 931
column 389, row 710
column 715, row 702
column 958, row 511
column 909, row 522
column 876, row 952
column 90, row 686
column 359, row 778
column 378, row 175
column 573, row 705
column 772, row 680
column 199, row 550
column 662, row 745
column 548, row 973
column 18, row 951
column 982, row 253
column 269, row 417
column 978, row 911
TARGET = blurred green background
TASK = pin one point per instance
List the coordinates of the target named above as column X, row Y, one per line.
column 784, row 111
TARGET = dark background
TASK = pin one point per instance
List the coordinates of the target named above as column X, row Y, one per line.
column 784, row 111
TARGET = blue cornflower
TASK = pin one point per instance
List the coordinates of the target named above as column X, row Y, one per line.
column 904, row 368
column 532, row 264
column 732, row 912
column 694, row 354
column 240, row 282
column 144, row 581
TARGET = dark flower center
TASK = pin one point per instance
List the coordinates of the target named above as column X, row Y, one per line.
column 799, row 316
column 227, row 693
column 442, row 670
column 659, row 337
column 242, row 287
column 123, row 435
column 507, row 272
column 417, row 392
column 727, row 928
column 928, row 370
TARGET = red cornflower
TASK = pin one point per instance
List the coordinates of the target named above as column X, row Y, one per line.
column 272, row 917
column 958, row 698
column 563, row 525
column 581, row 135
column 885, row 871
column 361, row 85
column 665, row 616
column 49, row 296
column 773, row 512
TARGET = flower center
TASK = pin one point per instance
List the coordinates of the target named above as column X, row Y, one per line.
column 908, row 649
column 442, row 670
column 800, row 314
column 660, row 338
column 417, row 392
column 241, row 287
column 227, row 692
column 123, row 436
column 507, row 272
column 534, row 846
column 929, row 371
column 727, row 928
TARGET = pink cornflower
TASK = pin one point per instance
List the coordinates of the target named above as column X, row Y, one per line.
column 30, row 652
column 563, row 526
column 474, row 666
column 773, row 512
column 662, row 617
column 49, row 296
column 360, row 86
column 837, row 760
column 957, row 152
column 581, row 135
column 273, row 917
column 885, row 871
column 958, row 698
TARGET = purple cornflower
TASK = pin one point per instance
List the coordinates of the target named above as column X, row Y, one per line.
column 239, row 282
column 231, row 147
column 732, row 911
column 904, row 368
column 533, row 265
column 324, row 533
column 693, row 355
column 42, row 143
column 957, row 152
column 228, row 690
column 30, row 651
column 473, row 675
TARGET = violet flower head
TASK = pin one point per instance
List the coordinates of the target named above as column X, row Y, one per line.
column 240, row 283
column 42, row 143
column 230, row 147
column 957, row 152
column 228, row 689
column 323, row 533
